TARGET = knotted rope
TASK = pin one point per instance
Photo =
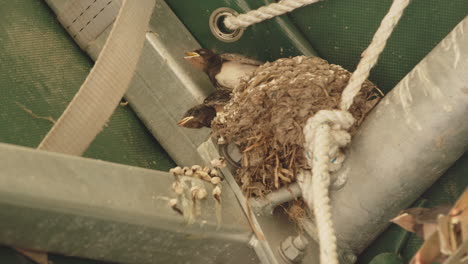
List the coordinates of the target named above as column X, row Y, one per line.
column 327, row 132
column 264, row 13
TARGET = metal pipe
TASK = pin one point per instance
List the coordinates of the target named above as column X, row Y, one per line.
column 410, row 139
column 268, row 203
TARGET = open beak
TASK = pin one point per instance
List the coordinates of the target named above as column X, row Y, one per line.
column 185, row 120
column 190, row 55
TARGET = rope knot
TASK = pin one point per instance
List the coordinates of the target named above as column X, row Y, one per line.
column 338, row 122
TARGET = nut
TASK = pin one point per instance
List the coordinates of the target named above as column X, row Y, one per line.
column 292, row 249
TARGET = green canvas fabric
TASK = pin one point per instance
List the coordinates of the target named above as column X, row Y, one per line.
column 40, row 71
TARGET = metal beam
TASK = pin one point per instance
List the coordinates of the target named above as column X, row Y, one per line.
column 100, row 210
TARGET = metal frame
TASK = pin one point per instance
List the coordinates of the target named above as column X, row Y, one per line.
column 395, row 119
column 100, row 210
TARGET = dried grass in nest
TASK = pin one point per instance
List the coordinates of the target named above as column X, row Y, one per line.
column 295, row 211
column 269, row 109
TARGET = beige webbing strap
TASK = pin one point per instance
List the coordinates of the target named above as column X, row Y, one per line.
column 105, row 85
column 85, row 20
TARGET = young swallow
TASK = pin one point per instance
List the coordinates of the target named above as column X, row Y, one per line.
column 198, row 116
column 218, row 99
column 224, row 70
column 201, row 115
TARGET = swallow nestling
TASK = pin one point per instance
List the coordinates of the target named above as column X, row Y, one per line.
column 201, row 115
column 224, row 70
column 198, row 116
column 218, row 99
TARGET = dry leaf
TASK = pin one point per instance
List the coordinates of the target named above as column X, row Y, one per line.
column 36, row 256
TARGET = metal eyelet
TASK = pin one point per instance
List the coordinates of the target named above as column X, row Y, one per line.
column 224, row 151
column 219, row 30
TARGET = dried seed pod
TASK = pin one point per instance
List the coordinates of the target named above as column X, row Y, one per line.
column 194, row 190
column 214, row 173
column 215, row 180
column 219, row 162
column 217, row 193
column 177, row 188
column 196, row 168
column 206, row 169
column 201, row 194
column 203, row 175
column 188, row 171
column 173, row 205
column 206, row 177
column 198, row 192
column 172, row 202
column 172, row 172
column 176, row 171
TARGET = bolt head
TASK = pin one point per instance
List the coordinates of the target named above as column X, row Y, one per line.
column 290, row 252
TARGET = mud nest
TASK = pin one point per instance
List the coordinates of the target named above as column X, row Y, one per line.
column 269, row 110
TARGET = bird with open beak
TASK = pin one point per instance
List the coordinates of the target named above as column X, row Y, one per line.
column 224, row 70
column 201, row 115
column 198, row 116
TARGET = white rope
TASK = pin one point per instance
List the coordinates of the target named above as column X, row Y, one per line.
column 326, row 133
column 264, row 13
column 372, row 53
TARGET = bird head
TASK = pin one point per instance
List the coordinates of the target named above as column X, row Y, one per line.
column 202, row 59
column 197, row 117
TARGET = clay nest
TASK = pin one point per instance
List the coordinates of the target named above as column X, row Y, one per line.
column 269, row 109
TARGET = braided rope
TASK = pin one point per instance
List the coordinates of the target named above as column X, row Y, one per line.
column 372, row 53
column 264, row 13
column 326, row 133
column 321, row 178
